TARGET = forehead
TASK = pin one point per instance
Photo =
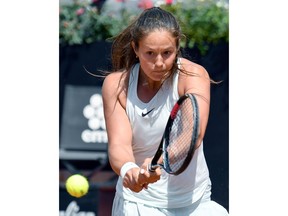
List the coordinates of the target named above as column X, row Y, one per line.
column 158, row 38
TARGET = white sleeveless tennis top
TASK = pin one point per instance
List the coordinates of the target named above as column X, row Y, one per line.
column 148, row 121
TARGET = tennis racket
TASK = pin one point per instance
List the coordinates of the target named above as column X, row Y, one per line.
column 177, row 145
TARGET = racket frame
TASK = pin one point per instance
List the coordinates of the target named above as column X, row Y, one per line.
column 165, row 138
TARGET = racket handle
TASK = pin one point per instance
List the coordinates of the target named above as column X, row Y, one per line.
column 152, row 168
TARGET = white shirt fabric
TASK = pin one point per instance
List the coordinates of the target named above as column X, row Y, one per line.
column 170, row 191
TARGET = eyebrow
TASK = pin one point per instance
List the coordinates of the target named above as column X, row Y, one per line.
column 152, row 48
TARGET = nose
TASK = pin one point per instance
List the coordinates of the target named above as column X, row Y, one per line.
column 159, row 61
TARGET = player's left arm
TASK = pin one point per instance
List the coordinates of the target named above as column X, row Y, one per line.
column 197, row 83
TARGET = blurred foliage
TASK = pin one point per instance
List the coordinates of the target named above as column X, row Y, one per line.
column 203, row 22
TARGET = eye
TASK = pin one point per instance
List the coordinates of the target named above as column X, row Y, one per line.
column 150, row 53
column 167, row 53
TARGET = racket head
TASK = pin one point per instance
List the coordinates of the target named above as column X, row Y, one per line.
column 180, row 136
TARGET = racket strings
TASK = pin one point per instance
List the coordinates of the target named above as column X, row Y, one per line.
column 180, row 137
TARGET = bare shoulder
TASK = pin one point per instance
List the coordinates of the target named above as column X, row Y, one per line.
column 193, row 68
column 114, row 83
column 193, row 78
column 114, row 89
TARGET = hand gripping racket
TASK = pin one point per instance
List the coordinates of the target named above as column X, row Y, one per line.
column 179, row 138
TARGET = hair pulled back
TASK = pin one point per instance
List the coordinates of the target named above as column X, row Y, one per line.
column 155, row 18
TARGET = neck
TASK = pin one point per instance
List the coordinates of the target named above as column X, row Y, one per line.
column 148, row 83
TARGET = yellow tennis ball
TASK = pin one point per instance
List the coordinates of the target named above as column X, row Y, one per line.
column 77, row 185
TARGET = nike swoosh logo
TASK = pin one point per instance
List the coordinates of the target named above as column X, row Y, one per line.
column 144, row 114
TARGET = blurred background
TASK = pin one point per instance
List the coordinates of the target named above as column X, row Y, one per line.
column 84, row 29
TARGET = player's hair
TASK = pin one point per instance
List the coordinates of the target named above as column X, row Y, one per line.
column 123, row 56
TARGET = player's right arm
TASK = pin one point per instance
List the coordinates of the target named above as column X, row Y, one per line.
column 119, row 129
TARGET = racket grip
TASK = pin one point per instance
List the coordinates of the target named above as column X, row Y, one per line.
column 152, row 168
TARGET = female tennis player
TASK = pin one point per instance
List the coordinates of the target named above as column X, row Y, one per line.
column 149, row 76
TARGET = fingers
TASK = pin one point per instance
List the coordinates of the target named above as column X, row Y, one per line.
column 145, row 185
column 142, row 171
column 142, row 180
column 136, row 187
column 137, row 179
column 149, row 177
column 131, row 180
